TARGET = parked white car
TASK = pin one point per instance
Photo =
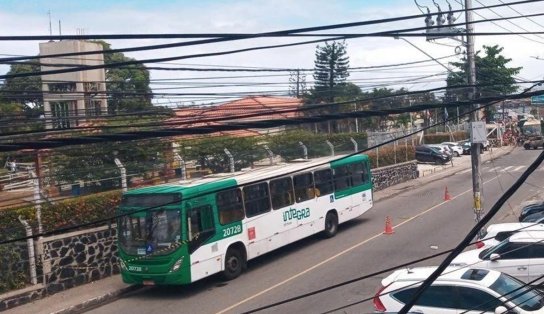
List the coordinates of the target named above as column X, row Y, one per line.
column 455, row 147
column 458, row 290
column 497, row 233
column 521, row 256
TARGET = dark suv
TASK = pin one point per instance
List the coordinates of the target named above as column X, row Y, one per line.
column 431, row 154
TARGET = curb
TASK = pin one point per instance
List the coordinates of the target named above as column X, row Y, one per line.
column 96, row 301
column 447, row 173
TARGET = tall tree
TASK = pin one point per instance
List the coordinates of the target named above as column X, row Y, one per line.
column 330, row 73
column 493, row 77
column 26, row 91
column 330, row 70
column 132, row 79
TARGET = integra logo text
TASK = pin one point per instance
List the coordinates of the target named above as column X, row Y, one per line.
column 296, row 214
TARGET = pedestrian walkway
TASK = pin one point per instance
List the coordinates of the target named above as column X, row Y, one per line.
column 78, row 298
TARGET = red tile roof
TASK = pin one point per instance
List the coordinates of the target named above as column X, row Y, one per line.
column 264, row 107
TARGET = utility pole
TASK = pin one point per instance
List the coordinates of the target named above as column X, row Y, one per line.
column 475, row 147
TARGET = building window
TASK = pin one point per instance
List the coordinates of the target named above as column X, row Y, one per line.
column 60, row 115
column 62, row 87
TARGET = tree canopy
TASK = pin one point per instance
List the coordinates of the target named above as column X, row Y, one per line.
column 493, row 76
column 133, row 79
column 330, row 70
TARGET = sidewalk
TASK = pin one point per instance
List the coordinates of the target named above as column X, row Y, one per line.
column 78, row 298
column 87, row 296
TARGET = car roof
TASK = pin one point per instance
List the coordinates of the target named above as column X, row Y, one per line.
column 451, row 273
column 527, row 236
column 513, row 226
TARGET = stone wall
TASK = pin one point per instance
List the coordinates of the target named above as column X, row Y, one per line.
column 387, row 176
column 79, row 258
column 66, row 261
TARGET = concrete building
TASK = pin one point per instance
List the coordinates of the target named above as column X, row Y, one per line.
column 70, row 99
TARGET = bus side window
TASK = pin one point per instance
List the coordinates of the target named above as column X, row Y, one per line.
column 230, row 206
column 256, row 199
column 342, row 178
column 323, row 181
column 304, row 186
column 281, row 192
column 357, row 174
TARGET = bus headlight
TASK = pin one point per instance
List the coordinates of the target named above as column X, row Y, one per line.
column 177, row 264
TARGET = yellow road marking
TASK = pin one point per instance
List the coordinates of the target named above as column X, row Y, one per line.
column 341, row 253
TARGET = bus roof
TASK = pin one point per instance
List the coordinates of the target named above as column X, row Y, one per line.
column 220, row 181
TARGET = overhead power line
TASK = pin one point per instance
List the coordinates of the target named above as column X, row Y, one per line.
column 392, row 33
column 167, row 132
column 236, row 36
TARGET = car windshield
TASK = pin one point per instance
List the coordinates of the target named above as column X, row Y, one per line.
column 523, row 296
column 536, row 217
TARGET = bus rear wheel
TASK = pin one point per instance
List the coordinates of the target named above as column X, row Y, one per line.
column 331, row 225
column 234, row 263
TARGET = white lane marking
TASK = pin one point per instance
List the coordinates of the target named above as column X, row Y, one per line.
column 506, row 168
column 518, row 168
column 341, row 253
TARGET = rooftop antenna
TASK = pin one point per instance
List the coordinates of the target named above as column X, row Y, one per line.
column 50, row 27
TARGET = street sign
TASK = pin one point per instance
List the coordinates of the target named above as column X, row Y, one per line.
column 478, row 133
column 537, row 100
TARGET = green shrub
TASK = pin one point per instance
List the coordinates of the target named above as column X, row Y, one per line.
column 438, row 138
column 387, row 155
column 287, row 144
column 11, row 276
column 61, row 213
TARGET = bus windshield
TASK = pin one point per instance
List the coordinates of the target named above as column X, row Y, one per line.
column 153, row 232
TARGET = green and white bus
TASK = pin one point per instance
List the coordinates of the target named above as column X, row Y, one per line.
column 179, row 233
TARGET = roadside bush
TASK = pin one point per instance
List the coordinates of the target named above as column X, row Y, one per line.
column 11, row 276
column 60, row 214
column 287, row 144
column 389, row 155
column 438, row 138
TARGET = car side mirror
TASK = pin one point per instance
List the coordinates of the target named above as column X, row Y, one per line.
column 494, row 257
column 503, row 310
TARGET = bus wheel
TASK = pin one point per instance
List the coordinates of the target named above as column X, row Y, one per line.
column 331, row 225
column 234, row 262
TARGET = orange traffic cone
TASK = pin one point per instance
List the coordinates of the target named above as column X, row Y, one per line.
column 388, row 226
column 447, row 196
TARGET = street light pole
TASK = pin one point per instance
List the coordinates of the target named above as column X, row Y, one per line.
column 475, row 147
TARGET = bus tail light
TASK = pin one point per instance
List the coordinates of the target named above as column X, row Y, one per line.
column 378, row 305
column 177, row 264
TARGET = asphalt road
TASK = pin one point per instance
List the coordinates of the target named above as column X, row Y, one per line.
column 424, row 224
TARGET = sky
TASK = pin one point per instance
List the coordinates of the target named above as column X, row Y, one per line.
column 252, row 16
